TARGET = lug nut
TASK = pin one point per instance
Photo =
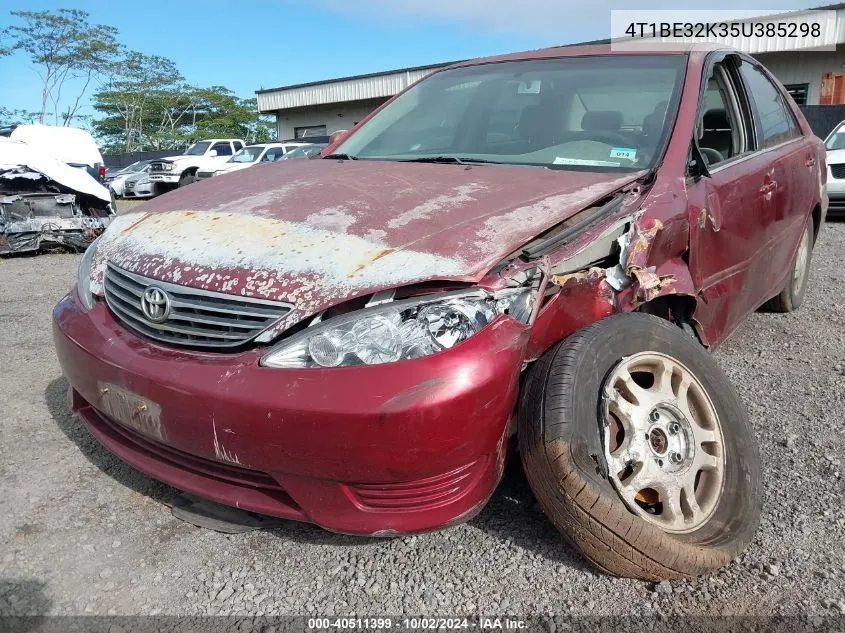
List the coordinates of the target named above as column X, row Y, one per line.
column 675, row 458
column 674, row 428
column 654, row 416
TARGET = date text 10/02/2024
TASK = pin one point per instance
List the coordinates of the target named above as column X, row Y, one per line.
column 417, row 623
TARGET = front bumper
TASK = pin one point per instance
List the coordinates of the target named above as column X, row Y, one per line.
column 388, row 449
column 165, row 177
column 34, row 233
column 836, row 204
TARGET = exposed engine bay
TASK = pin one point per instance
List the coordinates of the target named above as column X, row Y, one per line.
column 47, row 204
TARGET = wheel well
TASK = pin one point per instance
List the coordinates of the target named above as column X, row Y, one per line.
column 677, row 309
column 817, row 220
column 190, row 171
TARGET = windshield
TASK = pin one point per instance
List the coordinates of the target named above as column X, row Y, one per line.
column 303, row 151
column 610, row 113
column 248, row 154
column 133, row 167
column 836, row 140
column 197, row 149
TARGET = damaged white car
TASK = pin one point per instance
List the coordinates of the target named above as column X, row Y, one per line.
column 45, row 203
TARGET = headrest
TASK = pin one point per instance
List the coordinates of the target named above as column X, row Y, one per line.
column 534, row 122
column 716, row 120
column 602, row 120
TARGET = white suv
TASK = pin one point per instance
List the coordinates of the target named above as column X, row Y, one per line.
column 182, row 170
column 249, row 156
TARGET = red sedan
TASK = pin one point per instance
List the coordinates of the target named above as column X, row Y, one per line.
column 537, row 248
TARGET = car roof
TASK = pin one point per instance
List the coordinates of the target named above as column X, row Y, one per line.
column 590, row 50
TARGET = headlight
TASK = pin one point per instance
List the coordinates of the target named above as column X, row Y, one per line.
column 401, row 330
column 83, row 276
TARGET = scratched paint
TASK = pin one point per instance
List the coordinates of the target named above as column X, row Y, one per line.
column 459, row 196
column 220, row 451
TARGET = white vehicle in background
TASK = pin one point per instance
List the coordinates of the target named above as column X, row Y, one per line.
column 69, row 145
column 139, row 185
column 249, row 156
column 835, row 146
column 117, row 181
column 207, row 155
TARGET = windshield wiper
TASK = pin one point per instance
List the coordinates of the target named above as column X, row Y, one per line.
column 341, row 156
column 453, row 160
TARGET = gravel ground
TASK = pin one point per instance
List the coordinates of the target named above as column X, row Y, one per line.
column 82, row 533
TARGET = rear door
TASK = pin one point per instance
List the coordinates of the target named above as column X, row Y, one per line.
column 793, row 158
column 731, row 209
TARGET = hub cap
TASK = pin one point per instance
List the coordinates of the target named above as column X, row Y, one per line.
column 801, row 258
column 663, row 442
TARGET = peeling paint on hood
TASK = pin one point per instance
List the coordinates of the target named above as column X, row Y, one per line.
column 315, row 233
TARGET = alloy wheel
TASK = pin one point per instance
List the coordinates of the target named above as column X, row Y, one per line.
column 663, row 442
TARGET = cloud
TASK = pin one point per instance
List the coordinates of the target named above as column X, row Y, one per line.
column 562, row 19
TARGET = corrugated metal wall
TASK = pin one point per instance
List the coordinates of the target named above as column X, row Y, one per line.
column 361, row 89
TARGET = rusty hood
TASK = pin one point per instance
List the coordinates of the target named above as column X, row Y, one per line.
column 315, row 233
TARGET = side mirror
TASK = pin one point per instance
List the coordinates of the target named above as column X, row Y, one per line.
column 212, row 153
column 696, row 165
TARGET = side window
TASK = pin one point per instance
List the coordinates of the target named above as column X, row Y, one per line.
column 223, row 149
column 720, row 135
column 773, row 118
column 273, row 154
column 238, row 146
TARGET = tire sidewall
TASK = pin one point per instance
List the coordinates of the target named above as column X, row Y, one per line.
column 734, row 521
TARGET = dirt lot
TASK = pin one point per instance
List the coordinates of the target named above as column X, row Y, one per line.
column 81, row 533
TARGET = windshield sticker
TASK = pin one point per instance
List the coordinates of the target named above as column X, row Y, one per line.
column 585, row 161
column 628, row 153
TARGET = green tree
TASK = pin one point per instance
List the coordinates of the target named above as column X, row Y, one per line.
column 166, row 113
column 131, row 100
column 66, row 50
column 10, row 117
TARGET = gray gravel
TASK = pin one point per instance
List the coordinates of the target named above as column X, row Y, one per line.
column 81, row 533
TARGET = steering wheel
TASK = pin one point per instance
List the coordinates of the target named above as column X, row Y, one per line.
column 711, row 155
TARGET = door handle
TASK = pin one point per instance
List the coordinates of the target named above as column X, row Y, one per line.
column 768, row 188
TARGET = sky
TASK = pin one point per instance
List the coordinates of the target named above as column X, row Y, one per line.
column 247, row 45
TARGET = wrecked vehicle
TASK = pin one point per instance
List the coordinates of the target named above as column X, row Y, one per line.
column 46, row 203
column 537, row 248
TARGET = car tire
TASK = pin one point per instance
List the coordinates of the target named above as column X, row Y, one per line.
column 186, row 179
column 562, row 440
column 792, row 296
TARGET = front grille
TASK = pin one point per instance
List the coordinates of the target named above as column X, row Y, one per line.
column 838, row 170
column 197, row 318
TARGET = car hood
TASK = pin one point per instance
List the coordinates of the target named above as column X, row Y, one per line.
column 835, row 156
column 16, row 155
column 317, row 232
column 227, row 167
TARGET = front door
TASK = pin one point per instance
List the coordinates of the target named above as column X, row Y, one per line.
column 731, row 209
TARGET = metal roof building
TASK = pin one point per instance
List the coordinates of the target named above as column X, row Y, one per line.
column 812, row 76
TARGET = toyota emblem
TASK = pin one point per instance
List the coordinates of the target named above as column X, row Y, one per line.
column 155, row 304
